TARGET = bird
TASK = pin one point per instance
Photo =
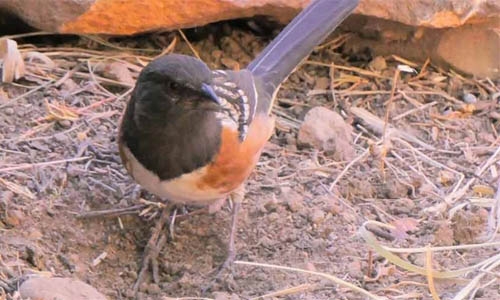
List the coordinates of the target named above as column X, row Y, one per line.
column 191, row 135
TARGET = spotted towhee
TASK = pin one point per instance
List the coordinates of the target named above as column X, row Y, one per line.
column 192, row 135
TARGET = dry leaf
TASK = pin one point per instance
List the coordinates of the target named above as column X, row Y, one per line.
column 12, row 61
column 483, row 190
column 402, row 226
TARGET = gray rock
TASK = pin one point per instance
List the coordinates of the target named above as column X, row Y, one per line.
column 327, row 131
column 42, row 288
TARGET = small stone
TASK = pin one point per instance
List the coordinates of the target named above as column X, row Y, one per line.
column 230, row 63
column 14, row 218
column 221, row 296
column 444, row 235
column 64, row 123
column 225, row 296
column 34, row 234
column 317, row 216
column 60, row 137
column 378, row 64
column 7, row 196
column 69, row 86
column 132, row 274
column 469, row 98
column 9, row 111
column 327, row 131
column 290, row 139
column 333, row 207
column 274, row 217
column 402, row 206
column 153, row 289
column 293, row 200
column 322, row 83
column 41, row 288
column 129, row 293
column 272, row 204
column 354, row 269
column 217, row 54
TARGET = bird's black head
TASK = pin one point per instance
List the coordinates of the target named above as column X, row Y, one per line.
column 174, row 83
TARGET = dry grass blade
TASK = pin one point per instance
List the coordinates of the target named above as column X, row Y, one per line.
column 43, row 164
column 476, row 280
column 169, row 49
column 288, row 291
column 494, row 216
column 189, row 44
column 32, row 91
column 370, row 239
column 59, row 111
column 324, row 275
column 428, row 271
column 347, row 167
column 186, row 298
column 345, row 68
column 379, row 126
column 17, row 189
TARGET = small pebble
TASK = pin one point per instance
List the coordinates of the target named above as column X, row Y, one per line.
column 378, row 64
column 7, row 196
column 469, row 98
column 42, row 288
column 9, row 111
column 271, row 205
column 14, row 218
column 322, row 83
column 64, row 123
column 274, row 217
column 153, row 289
column 294, row 204
column 317, row 216
column 217, row 54
column 60, row 137
column 355, row 270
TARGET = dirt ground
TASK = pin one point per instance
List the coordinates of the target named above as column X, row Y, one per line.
column 433, row 172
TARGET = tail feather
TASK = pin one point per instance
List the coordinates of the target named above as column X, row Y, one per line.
column 309, row 28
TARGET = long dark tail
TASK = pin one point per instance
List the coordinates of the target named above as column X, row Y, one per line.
column 309, row 28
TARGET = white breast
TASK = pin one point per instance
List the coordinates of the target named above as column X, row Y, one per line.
column 182, row 189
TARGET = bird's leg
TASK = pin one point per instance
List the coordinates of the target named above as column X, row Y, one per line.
column 237, row 197
column 153, row 247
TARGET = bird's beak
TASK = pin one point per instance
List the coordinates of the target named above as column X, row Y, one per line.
column 208, row 90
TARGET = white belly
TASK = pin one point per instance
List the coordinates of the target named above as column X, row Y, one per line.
column 182, row 189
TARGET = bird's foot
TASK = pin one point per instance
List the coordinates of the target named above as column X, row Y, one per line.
column 153, row 248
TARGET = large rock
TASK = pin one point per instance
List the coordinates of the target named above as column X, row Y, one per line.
column 444, row 46
column 134, row 16
column 42, row 288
